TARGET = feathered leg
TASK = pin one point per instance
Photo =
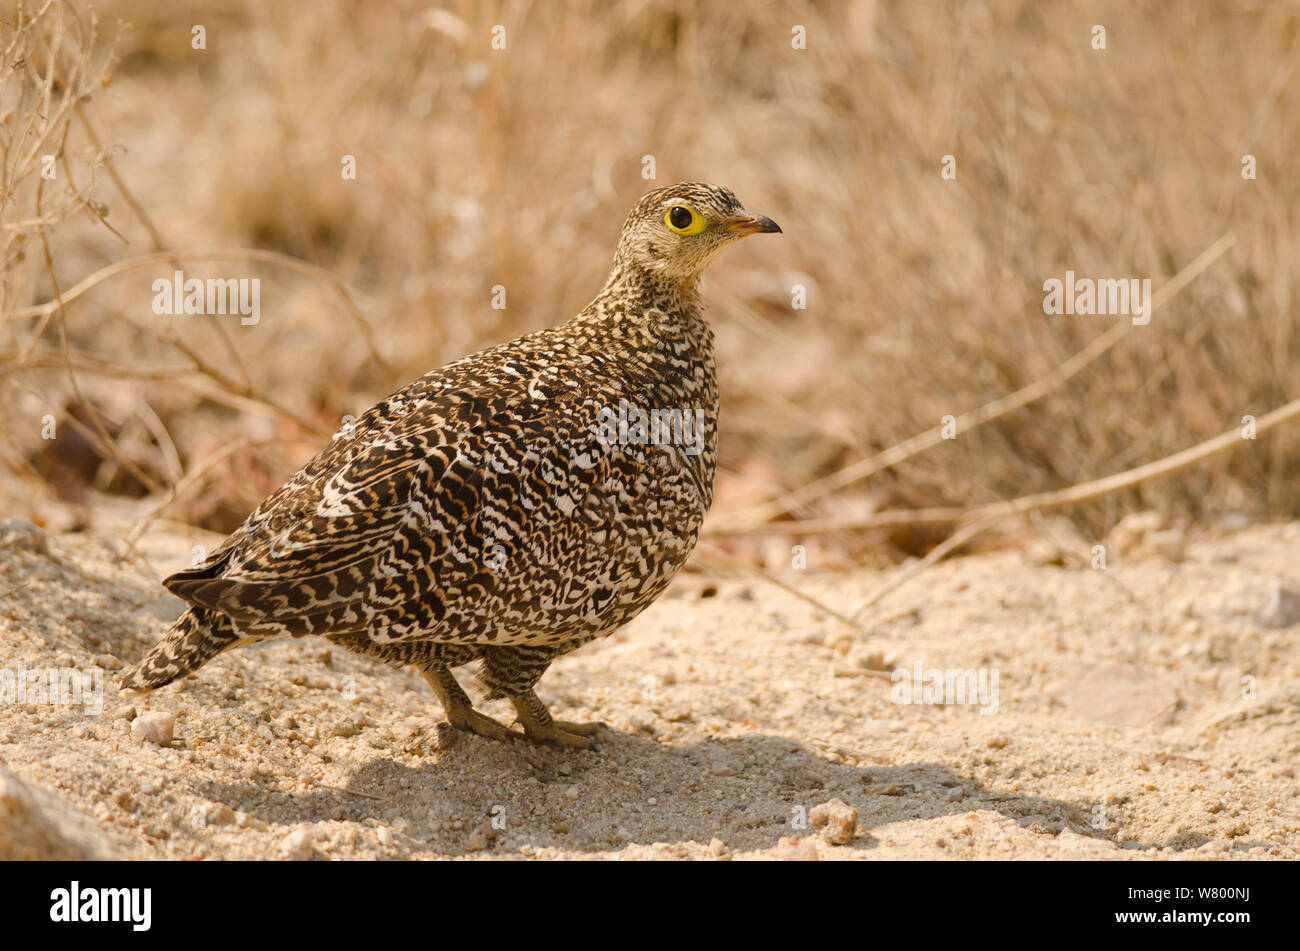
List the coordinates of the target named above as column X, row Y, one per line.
column 513, row 672
column 460, row 708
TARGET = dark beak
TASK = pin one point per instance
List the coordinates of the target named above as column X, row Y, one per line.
column 753, row 224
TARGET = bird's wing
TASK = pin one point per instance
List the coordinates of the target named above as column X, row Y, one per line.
column 419, row 525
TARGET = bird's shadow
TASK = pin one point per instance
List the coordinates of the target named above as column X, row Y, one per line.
column 748, row 792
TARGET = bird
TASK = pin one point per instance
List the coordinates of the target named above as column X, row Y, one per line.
column 504, row 509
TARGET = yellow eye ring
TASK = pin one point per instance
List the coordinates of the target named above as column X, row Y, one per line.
column 684, row 220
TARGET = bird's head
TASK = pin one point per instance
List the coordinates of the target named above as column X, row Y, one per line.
column 673, row 233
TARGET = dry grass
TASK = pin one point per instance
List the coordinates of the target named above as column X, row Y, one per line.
column 479, row 167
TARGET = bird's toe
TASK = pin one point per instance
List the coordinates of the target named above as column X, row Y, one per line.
column 582, row 729
column 561, row 734
column 480, row 723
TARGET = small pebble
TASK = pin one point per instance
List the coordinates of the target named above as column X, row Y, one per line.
column 245, row 821
column 298, row 844
column 154, row 726
column 835, row 821
column 216, row 814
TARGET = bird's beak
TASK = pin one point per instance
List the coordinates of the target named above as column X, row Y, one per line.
column 746, row 223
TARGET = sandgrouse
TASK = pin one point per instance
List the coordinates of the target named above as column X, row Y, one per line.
column 505, row 508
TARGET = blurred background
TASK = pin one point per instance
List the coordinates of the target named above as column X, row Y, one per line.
column 478, row 167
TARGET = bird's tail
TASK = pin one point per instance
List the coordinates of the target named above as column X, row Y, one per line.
column 197, row 636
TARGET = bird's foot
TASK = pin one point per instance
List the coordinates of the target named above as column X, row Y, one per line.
column 582, row 729
column 469, row 719
column 562, row 733
column 460, row 710
column 541, row 728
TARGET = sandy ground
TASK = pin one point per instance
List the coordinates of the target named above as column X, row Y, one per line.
column 1150, row 710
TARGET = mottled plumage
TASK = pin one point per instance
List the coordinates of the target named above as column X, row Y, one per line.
column 495, row 509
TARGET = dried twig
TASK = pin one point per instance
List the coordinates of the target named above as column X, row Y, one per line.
column 225, row 452
column 905, row 574
column 221, row 254
column 350, row 792
column 107, row 444
column 1061, row 498
column 735, row 562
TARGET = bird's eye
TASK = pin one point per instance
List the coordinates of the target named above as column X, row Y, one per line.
column 683, row 220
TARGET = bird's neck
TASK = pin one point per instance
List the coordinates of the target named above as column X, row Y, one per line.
column 634, row 297
column 654, row 330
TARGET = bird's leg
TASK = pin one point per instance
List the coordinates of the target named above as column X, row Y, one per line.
column 512, row 672
column 460, row 709
column 542, row 728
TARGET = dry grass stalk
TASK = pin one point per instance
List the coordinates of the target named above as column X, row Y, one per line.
column 1041, row 501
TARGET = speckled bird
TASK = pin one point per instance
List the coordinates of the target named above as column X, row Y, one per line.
column 506, row 508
